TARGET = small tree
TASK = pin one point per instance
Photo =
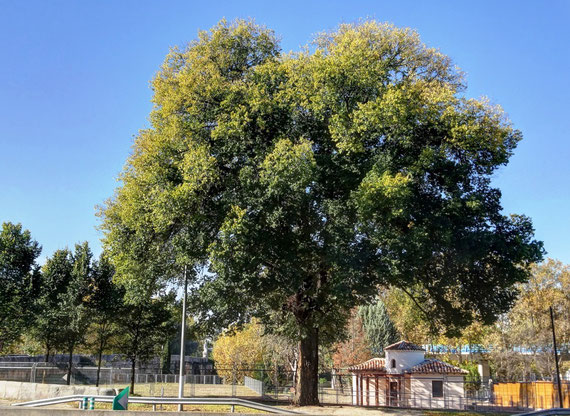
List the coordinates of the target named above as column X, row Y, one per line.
column 237, row 353
column 56, row 278
column 73, row 314
column 105, row 303
column 378, row 327
column 355, row 348
column 18, row 281
column 63, row 318
column 144, row 327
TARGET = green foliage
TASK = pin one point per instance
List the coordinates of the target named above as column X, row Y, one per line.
column 143, row 328
column 18, row 281
column 303, row 182
column 105, row 303
column 63, row 315
column 56, row 277
column 473, row 378
column 378, row 326
column 73, row 314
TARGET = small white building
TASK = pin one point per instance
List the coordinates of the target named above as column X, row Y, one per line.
column 405, row 378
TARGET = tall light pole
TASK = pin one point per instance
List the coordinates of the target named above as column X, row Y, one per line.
column 182, row 331
column 560, row 402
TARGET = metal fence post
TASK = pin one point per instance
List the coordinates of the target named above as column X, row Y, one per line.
column 336, row 391
column 33, row 373
column 276, row 387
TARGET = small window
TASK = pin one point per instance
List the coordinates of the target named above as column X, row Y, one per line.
column 393, row 364
column 437, row 388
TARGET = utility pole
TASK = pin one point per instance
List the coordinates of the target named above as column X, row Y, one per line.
column 560, row 402
column 182, row 331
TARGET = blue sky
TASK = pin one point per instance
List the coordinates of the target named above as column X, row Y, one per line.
column 74, row 89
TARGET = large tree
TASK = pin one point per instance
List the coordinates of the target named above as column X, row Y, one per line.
column 305, row 181
column 18, row 281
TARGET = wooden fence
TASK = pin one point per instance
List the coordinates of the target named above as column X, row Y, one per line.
column 533, row 395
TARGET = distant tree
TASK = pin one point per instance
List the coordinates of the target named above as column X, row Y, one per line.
column 280, row 352
column 19, row 277
column 305, row 181
column 378, row 327
column 104, row 304
column 73, row 314
column 355, row 348
column 549, row 285
column 473, row 378
column 238, row 352
column 144, row 327
column 63, row 318
column 56, row 278
column 527, row 325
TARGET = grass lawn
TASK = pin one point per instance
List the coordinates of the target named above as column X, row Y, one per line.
column 190, row 390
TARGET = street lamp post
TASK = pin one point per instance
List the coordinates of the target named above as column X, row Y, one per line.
column 182, row 331
column 560, row 402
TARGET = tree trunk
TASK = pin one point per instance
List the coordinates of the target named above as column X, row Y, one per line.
column 307, row 386
column 133, row 367
column 69, row 365
column 99, row 364
column 47, row 353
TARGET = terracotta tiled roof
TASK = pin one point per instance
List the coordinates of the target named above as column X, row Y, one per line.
column 435, row 366
column 376, row 364
column 403, row 346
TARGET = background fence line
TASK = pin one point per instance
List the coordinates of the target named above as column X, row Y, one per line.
column 277, row 385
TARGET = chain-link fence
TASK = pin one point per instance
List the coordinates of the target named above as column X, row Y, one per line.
column 335, row 387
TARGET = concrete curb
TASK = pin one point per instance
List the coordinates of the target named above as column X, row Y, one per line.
column 16, row 390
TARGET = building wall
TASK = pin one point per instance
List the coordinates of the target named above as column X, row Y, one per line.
column 420, row 392
column 404, row 360
column 414, row 391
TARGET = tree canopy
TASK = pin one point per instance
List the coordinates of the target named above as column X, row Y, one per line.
column 305, row 181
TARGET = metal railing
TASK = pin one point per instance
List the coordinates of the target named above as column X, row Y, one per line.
column 277, row 386
column 162, row 401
